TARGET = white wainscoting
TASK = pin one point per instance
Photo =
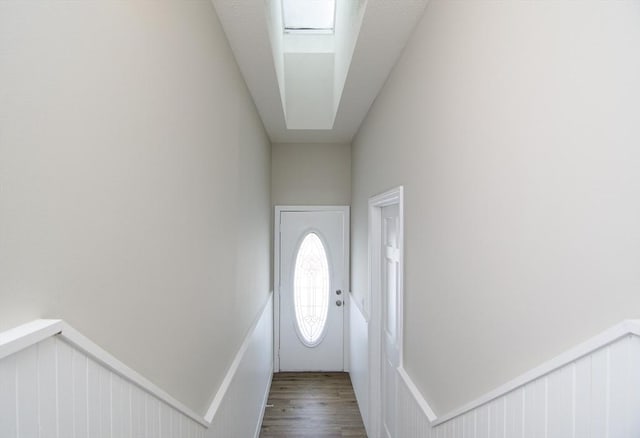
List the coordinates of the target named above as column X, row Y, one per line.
column 595, row 396
column 359, row 357
column 238, row 408
column 591, row 391
column 56, row 383
column 53, row 389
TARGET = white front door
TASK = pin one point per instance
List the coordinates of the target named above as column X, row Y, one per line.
column 390, row 260
column 312, row 281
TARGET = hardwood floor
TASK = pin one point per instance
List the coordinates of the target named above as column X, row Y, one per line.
column 312, row 405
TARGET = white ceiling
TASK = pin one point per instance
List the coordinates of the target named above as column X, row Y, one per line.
column 385, row 29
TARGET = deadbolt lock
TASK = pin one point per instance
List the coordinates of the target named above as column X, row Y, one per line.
column 338, row 292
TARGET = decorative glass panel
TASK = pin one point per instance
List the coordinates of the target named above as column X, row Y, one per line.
column 311, row 289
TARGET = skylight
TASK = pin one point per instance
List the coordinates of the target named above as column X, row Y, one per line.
column 309, row 15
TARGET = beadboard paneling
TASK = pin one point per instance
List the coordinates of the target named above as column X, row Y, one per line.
column 52, row 389
column 597, row 395
column 242, row 407
column 359, row 357
column 64, row 386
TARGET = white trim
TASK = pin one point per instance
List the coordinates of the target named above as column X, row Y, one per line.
column 276, row 289
column 609, row 336
column 354, row 301
column 19, row 338
column 346, row 316
column 303, row 208
column 83, row 343
column 417, row 395
column 231, row 372
column 345, row 209
column 265, row 398
column 359, row 372
column 376, row 203
column 36, row 331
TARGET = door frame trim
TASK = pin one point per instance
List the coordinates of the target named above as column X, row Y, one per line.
column 344, row 209
column 376, row 203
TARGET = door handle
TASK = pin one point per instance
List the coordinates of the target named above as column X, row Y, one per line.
column 339, row 303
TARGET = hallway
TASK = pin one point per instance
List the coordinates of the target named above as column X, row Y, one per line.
column 312, row 405
column 439, row 197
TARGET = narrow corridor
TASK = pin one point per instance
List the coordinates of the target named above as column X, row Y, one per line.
column 312, row 405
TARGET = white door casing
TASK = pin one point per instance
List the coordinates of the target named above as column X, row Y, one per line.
column 326, row 230
column 386, row 283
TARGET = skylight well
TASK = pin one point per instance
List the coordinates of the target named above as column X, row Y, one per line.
column 313, row 16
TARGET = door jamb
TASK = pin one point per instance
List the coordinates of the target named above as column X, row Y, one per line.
column 345, row 209
column 376, row 203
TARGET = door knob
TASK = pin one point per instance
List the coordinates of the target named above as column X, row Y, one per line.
column 338, row 303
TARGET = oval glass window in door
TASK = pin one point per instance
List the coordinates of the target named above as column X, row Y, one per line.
column 311, row 285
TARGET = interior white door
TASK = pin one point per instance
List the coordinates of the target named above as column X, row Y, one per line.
column 390, row 261
column 312, row 289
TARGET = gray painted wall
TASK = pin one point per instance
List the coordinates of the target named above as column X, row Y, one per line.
column 514, row 127
column 311, row 174
column 134, row 184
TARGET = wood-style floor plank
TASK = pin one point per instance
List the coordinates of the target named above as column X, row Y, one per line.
column 311, row 405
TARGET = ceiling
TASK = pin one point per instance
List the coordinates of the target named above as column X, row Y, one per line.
column 385, row 28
